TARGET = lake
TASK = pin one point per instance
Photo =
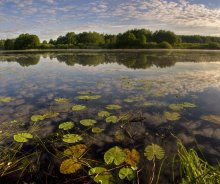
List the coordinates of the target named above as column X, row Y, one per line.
column 126, row 98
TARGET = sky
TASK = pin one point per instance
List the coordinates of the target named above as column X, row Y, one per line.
column 51, row 18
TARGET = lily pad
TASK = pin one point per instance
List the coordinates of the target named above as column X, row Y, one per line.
column 103, row 114
column 5, row 99
column 66, row 125
column 126, row 172
column 76, row 151
column 88, row 122
column 84, row 92
column 97, row 130
column 78, row 107
column 86, row 97
column 154, row 151
column 113, row 107
column 111, row 119
column 50, row 115
column 212, row 118
column 132, row 157
column 72, row 138
column 114, row 155
column 70, row 166
column 101, row 175
column 36, row 118
column 172, row 116
column 148, row 104
column 61, row 100
column 176, row 107
column 188, row 105
column 22, row 137
column 128, row 100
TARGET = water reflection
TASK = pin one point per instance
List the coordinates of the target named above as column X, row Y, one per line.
column 142, row 60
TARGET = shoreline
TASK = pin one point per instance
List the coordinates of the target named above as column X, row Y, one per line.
column 105, row 50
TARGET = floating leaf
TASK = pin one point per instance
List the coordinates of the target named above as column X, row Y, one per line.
column 212, row 118
column 113, row 107
column 103, row 114
column 159, row 94
column 111, row 119
column 72, row 138
column 148, row 104
column 66, row 125
column 36, row 118
column 5, row 99
column 61, row 100
column 22, row 137
column 70, row 166
column 101, row 175
column 86, row 97
column 128, row 100
column 188, row 105
column 114, row 155
column 153, row 151
column 84, row 92
column 97, row 130
column 176, row 107
column 126, row 172
column 78, row 107
column 172, row 116
column 50, row 115
column 132, row 157
column 88, row 122
column 76, row 151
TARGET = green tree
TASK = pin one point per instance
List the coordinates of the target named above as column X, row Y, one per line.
column 70, row 38
column 167, row 36
column 2, row 44
column 27, row 41
column 9, row 44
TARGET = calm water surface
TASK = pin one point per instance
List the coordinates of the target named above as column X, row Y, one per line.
column 146, row 85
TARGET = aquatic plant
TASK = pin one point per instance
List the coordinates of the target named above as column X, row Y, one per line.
column 154, row 151
column 72, row 138
column 114, row 155
column 86, row 97
column 126, row 172
column 87, row 122
column 66, row 125
column 113, row 107
column 111, row 119
column 5, row 99
column 172, row 116
column 211, row 118
column 132, row 157
column 97, row 130
column 78, row 107
column 181, row 106
column 61, row 100
column 22, row 137
column 103, row 114
column 101, row 175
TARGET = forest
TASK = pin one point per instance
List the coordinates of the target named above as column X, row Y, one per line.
column 131, row 39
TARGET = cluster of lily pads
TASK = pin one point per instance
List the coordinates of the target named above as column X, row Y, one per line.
column 125, row 161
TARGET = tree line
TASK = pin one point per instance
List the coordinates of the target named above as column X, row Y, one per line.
column 136, row 38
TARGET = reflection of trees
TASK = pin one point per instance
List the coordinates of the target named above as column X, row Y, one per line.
column 24, row 60
column 134, row 60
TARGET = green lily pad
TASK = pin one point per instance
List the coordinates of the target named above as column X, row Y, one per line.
column 188, row 105
column 88, row 122
column 61, row 100
column 176, row 107
column 103, row 114
column 72, row 138
column 154, row 151
column 211, row 118
column 5, row 99
column 148, row 104
column 111, row 119
column 97, row 130
column 128, row 100
column 84, row 92
column 113, row 107
column 36, row 118
column 66, row 125
column 78, row 107
column 126, row 172
column 114, row 155
column 50, row 115
column 22, row 137
column 86, row 97
column 101, row 175
column 70, row 166
column 172, row 116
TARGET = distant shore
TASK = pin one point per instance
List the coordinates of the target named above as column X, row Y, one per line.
column 105, row 50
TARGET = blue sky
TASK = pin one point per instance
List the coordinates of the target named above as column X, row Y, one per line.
column 51, row 18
